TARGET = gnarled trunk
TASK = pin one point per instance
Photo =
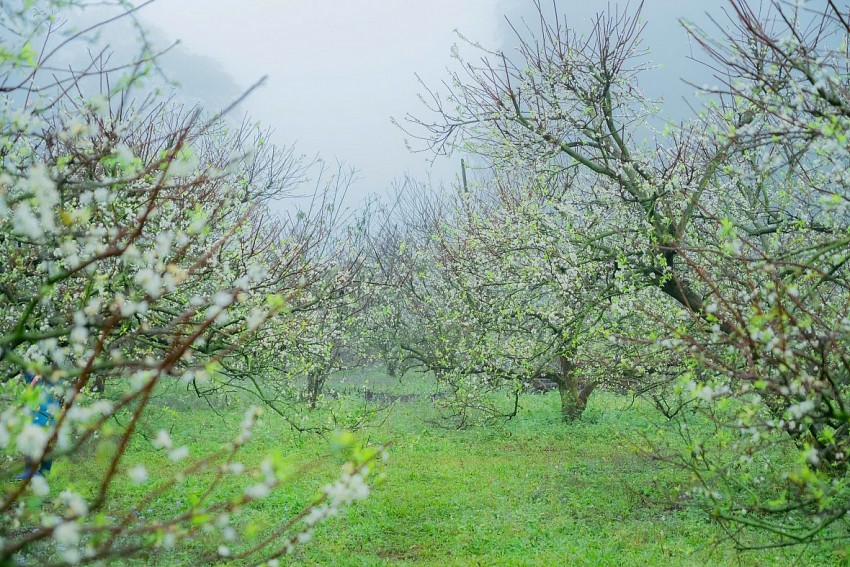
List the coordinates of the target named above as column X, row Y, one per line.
column 573, row 395
column 315, row 386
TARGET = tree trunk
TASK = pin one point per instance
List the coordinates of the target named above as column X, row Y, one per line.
column 573, row 398
column 315, row 385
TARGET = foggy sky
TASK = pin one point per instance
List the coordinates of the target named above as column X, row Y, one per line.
column 338, row 71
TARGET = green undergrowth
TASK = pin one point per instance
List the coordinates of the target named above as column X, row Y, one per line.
column 534, row 491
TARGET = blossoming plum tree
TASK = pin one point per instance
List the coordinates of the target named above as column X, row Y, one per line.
column 772, row 261
column 492, row 311
column 137, row 250
column 726, row 234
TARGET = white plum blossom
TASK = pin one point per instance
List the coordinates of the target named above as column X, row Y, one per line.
column 140, row 379
column 74, row 129
column 25, row 121
column 163, row 243
column 179, row 453
column 124, row 154
column 79, row 335
column 26, row 223
column 317, row 514
column 67, row 533
column 257, row 491
column 75, row 502
column 130, row 308
column 219, row 314
column 197, row 225
column 799, row 410
column 32, row 440
column 222, row 299
column 39, row 486
column 812, row 457
column 63, row 436
column 255, row 318
column 183, row 165
column 163, row 440
column 349, row 488
column 71, row 555
column 102, row 195
column 138, row 474
column 706, row 393
column 149, row 281
column 93, row 307
column 268, row 469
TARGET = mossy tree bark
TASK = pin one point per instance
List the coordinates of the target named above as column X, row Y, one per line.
column 574, row 395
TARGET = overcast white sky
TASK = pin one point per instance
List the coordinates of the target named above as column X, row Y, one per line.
column 338, row 70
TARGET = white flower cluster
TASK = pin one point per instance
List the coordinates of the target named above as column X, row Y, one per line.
column 248, row 422
column 38, row 188
column 9, row 421
column 350, row 487
column 138, row 474
column 76, row 504
column 801, row 409
column 32, row 440
column 270, row 480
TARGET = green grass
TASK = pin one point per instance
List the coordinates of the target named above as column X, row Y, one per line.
column 532, row 492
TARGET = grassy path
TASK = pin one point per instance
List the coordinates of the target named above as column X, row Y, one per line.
column 534, row 492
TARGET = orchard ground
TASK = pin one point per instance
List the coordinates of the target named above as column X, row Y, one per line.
column 534, row 491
